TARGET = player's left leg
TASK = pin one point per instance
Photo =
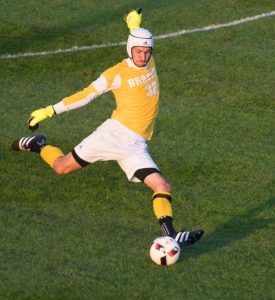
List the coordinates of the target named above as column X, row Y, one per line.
column 66, row 164
column 163, row 209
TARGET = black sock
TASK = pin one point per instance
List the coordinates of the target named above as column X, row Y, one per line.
column 36, row 145
column 167, row 225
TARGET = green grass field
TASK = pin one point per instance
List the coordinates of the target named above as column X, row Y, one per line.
column 87, row 235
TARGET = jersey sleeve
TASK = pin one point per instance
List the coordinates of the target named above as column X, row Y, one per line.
column 108, row 80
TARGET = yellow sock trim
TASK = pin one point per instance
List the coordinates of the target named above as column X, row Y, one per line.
column 50, row 154
column 162, row 206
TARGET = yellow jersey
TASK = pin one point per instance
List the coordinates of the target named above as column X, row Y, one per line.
column 136, row 92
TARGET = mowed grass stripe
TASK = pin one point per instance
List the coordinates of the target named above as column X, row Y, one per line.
column 158, row 37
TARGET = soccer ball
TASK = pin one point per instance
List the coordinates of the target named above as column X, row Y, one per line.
column 164, row 251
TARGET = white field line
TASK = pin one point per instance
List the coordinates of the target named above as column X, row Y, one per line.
column 159, row 37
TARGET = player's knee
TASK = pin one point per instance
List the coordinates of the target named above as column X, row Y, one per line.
column 165, row 187
column 60, row 168
column 158, row 183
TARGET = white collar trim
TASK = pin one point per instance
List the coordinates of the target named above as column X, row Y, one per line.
column 132, row 65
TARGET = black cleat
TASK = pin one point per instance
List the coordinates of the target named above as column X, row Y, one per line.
column 185, row 238
column 30, row 143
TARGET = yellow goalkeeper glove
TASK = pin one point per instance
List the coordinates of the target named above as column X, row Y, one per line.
column 40, row 115
column 133, row 18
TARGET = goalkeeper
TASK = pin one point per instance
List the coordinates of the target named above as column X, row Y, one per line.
column 123, row 137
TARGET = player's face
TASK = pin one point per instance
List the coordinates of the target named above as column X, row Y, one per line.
column 141, row 55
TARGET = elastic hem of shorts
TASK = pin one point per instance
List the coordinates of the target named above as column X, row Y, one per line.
column 82, row 162
column 141, row 174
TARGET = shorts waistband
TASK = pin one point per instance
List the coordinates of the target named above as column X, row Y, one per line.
column 115, row 124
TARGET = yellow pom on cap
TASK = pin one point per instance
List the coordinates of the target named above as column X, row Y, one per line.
column 133, row 19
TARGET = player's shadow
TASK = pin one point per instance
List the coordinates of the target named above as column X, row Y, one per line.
column 237, row 228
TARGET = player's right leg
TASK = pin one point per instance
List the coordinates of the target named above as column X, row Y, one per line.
column 62, row 164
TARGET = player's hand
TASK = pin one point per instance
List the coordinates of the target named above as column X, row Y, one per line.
column 133, row 18
column 40, row 115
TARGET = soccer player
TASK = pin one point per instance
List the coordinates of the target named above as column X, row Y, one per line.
column 123, row 137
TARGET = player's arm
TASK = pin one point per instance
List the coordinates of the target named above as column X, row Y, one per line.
column 102, row 85
column 81, row 98
column 76, row 100
column 39, row 115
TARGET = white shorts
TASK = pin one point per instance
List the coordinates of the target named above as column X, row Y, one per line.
column 113, row 141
